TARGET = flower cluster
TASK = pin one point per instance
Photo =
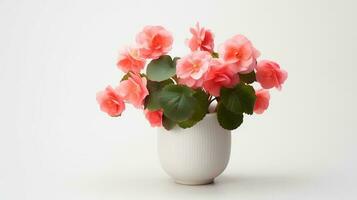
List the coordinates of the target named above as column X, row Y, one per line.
column 179, row 91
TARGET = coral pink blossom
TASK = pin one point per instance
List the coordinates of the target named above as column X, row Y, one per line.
column 191, row 68
column 133, row 90
column 154, row 117
column 110, row 102
column 248, row 70
column 154, row 41
column 270, row 75
column 190, row 82
column 240, row 52
column 219, row 75
column 202, row 39
column 130, row 60
column 262, row 101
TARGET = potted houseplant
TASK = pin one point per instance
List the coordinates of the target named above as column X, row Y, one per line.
column 194, row 100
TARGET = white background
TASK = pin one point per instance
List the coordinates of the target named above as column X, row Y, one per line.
column 56, row 144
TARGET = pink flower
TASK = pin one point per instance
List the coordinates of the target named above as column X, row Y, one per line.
column 133, row 90
column 154, row 41
column 219, row 75
column 202, row 39
column 130, row 60
column 154, row 117
column 248, row 70
column 262, row 101
column 191, row 68
column 190, row 82
column 110, row 102
column 239, row 51
column 270, row 75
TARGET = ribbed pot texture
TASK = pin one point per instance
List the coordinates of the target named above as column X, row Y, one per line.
column 196, row 155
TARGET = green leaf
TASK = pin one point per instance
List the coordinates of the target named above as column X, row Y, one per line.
column 178, row 102
column 248, row 78
column 228, row 119
column 154, row 87
column 239, row 99
column 161, row 69
column 201, row 109
column 167, row 123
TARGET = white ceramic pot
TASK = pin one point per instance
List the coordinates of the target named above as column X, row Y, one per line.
column 196, row 155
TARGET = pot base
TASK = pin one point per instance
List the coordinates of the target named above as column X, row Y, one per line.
column 203, row 182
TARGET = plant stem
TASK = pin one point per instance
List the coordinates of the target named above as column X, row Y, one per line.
column 211, row 100
column 174, row 80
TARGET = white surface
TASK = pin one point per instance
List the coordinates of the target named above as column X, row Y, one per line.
column 197, row 155
column 55, row 144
